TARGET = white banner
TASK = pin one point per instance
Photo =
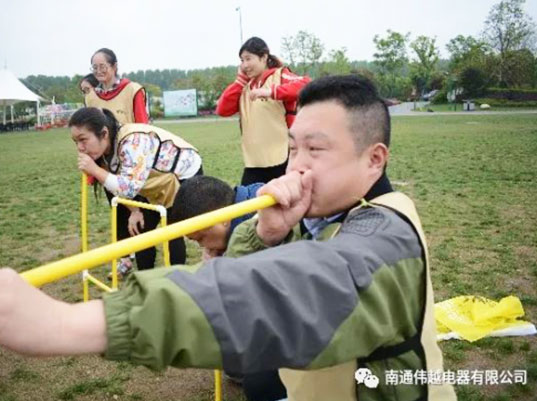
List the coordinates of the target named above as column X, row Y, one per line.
column 180, row 103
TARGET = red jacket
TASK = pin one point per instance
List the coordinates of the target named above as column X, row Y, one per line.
column 140, row 112
column 286, row 91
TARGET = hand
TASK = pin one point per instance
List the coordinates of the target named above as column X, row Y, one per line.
column 87, row 164
column 260, row 93
column 293, row 194
column 136, row 222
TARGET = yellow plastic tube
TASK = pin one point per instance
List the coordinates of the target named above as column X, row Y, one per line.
column 56, row 270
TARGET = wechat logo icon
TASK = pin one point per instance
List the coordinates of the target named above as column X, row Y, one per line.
column 365, row 377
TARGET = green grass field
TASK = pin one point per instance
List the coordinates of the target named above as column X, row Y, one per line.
column 459, row 107
column 472, row 177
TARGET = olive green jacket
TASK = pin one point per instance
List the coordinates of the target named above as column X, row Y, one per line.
column 355, row 298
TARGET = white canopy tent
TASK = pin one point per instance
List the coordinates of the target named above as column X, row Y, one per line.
column 13, row 91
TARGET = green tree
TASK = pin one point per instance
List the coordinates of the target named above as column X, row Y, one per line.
column 152, row 89
column 390, row 59
column 467, row 51
column 508, row 29
column 520, row 68
column 303, row 51
column 424, row 65
column 337, row 63
column 473, row 81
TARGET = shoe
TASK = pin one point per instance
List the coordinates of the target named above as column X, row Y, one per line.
column 124, row 268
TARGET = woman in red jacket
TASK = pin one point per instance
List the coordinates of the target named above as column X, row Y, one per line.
column 124, row 98
column 265, row 94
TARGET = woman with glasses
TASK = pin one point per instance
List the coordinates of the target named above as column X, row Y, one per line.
column 126, row 99
column 264, row 94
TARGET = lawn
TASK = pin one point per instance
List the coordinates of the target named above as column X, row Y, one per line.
column 472, row 177
column 449, row 107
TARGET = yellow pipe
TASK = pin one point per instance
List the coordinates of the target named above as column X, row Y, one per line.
column 142, row 205
column 84, row 229
column 218, row 385
column 84, row 212
column 157, row 208
column 113, row 223
column 95, row 257
column 98, row 283
column 85, row 289
column 165, row 244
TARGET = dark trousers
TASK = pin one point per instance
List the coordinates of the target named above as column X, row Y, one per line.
column 263, row 386
column 145, row 259
column 252, row 175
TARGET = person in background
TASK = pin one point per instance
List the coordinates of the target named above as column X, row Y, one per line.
column 88, row 84
column 124, row 98
column 264, row 94
column 204, row 194
column 135, row 161
column 127, row 101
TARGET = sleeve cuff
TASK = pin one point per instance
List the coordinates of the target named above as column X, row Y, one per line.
column 117, row 307
column 242, row 79
column 111, row 183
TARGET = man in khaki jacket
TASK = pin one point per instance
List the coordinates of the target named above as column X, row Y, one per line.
column 331, row 285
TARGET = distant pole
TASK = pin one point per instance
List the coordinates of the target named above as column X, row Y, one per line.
column 240, row 21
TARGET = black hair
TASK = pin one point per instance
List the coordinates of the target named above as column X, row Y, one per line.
column 108, row 54
column 369, row 116
column 95, row 120
column 258, row 47
column 200, row 194
column 90, row 78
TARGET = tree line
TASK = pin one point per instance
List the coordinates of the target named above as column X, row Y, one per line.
column 503, row 55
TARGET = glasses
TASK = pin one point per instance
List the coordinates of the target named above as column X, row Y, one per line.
column 100, row 67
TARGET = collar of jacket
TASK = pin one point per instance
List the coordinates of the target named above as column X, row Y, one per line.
column 380, row 187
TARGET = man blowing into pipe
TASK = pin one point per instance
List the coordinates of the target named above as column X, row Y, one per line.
column 333, row 278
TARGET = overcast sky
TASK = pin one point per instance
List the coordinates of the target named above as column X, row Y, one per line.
column 58, row 37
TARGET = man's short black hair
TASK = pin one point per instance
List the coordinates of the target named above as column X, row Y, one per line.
column 200, row 194
column 369, row 116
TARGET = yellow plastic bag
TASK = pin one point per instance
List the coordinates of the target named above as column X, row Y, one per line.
column 472, row 317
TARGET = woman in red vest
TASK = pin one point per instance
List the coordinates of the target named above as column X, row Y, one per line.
column 265, row 94
column 127, row 101
column 124, row 98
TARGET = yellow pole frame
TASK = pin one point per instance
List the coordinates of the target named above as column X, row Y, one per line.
column 57, row 270
column 163, row 220
column 113, row 225
column 98, row 283
column 84, row 212
column 88, row 259
column 84, row 229
column 218, row 385
column 165, row 244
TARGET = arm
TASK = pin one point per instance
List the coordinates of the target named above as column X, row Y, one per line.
column 308, row 304
column 33, row 323
column 287, row 91
column 228, row 103
column 139, row 107
column 136, row 156
column 290, row 85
